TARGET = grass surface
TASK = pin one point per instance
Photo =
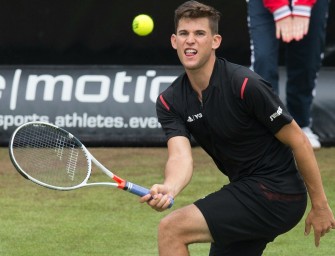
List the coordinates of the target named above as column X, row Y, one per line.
column 105, row 221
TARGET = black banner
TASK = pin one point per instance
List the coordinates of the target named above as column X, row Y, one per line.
column 113, row 105
column 105, row 105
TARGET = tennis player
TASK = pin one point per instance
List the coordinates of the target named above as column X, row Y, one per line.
column 234, row 115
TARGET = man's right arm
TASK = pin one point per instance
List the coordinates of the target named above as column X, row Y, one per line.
column 178, row 173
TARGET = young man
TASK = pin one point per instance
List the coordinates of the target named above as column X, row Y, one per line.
column 301, row 24
column 234, row 115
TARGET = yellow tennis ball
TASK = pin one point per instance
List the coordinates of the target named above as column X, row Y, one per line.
column 143, row 25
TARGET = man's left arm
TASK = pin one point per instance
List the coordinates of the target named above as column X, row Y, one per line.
column 320, row 216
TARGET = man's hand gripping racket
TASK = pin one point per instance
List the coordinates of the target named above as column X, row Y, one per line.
column 54, row 158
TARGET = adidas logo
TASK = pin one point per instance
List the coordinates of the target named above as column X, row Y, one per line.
column 192, row 118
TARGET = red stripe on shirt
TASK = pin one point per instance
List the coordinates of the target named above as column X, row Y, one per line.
column 164, row 102
column 243, row 87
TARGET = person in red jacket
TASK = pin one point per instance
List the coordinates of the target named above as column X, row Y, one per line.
column 301, row 25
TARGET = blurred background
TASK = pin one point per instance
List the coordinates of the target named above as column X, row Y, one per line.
column 100, row 32
column 78, row 64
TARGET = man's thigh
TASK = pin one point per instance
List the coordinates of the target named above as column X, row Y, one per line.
column 189, row 225
column 242, row 213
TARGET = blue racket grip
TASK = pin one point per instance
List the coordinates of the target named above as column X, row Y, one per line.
column 142, row 191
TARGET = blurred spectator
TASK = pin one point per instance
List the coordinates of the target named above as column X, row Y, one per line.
column 301, row 25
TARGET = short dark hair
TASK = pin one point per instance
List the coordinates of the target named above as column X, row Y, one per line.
column 194, row 9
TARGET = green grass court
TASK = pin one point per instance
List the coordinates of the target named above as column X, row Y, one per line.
column 101, row 221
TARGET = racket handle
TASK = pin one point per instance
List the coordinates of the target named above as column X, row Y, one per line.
column 142, row 191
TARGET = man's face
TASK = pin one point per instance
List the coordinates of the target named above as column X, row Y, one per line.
column 194, row 42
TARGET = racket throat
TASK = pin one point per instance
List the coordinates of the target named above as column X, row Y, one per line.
column 122, row 184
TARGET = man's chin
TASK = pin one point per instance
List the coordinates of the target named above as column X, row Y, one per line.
column 190, row 66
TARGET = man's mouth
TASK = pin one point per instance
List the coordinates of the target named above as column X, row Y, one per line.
column 190, row 52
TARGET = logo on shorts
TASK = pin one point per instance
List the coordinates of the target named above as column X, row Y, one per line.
column 276, row 114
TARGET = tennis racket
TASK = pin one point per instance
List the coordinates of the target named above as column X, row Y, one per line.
column 53, row 158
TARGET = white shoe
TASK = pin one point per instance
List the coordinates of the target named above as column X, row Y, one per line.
column 313, row 138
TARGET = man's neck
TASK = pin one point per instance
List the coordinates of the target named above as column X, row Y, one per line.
column 199, row 78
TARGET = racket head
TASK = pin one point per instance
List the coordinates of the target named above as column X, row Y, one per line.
column 49, row 156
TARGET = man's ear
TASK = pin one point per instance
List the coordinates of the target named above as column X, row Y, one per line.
column 173, row 41
column 216, row 41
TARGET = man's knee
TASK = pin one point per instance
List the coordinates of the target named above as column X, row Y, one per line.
column 169, row 225
column 164, row 224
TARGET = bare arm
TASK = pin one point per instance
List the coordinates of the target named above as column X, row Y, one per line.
column 178, row 173
column 320, row 217
column 179, row 166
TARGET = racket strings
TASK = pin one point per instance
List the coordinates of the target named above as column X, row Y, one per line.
column 50, row 155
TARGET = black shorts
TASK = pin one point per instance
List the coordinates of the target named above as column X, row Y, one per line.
column 244, row 216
